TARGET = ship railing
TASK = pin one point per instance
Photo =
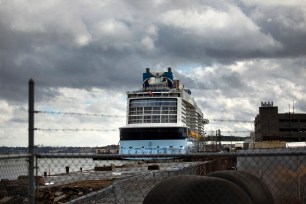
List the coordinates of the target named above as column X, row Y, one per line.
column 157, row 89
column 155, row 94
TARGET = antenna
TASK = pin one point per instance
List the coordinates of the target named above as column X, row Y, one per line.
column 293, row 106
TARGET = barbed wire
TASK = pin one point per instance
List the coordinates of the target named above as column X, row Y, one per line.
column 233, row 131
column 238, row 121
column 105, row 130
column 118, row 116
column 237, row 131
column 80, row 114
column 74, row 129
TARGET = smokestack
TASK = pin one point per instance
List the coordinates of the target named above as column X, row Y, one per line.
column 147, row 70
column 176, row 84
column 169, row 69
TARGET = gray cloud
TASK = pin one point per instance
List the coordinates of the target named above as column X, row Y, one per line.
column 284, row 24
column 226, row 52
column 79, row 49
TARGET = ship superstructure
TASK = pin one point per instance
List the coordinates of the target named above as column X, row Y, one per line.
column 162, row 117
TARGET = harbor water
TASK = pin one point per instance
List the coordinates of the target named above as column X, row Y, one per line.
column 12, row 168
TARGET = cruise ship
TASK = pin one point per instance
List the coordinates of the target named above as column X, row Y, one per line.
column 162, row 117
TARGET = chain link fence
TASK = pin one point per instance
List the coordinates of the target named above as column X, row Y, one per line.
column 14, row 179
column 86, row 178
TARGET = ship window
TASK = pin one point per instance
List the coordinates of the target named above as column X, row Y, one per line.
column 135, row 119
column 153, row 102
column 148, row 110
column 172, row 112
column 132, row 111
column 156, row 107
column 147, row 119
column 153, row 133
column 165, row 110
column 156, row 112
column 155, row 119
column 172, row 118
column 139, row 110
column 164, row 118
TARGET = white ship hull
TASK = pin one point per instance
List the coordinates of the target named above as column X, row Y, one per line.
column 154, row 147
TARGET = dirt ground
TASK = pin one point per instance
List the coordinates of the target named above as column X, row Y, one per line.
column 67, row 192
column 94, row 184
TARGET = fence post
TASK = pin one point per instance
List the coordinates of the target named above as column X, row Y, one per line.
column 31, row 143
column 299, row 179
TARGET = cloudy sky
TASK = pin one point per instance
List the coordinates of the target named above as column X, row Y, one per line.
column 85, row 55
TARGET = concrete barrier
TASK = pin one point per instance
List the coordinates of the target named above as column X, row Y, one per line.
column 253, row 186
column 196, row 190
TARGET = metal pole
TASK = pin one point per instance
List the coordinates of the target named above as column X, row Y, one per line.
column 31, row 143
column 289, row 123
column 299, row 179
